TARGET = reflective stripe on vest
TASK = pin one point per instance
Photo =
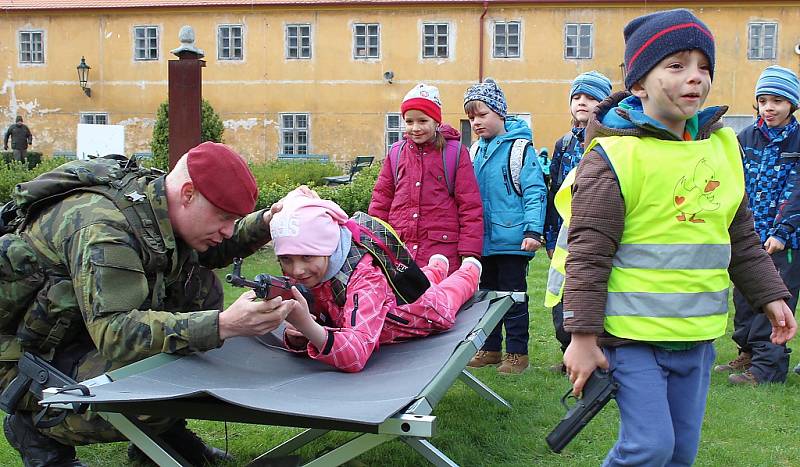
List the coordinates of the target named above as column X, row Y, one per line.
column 669, row 278
column 557, row 274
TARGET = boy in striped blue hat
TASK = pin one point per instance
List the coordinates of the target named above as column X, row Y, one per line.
column 587, row 90
column 771, row 149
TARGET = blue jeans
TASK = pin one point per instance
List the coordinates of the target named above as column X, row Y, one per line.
column 662, row 400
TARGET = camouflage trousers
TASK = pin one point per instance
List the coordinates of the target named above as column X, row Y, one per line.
column 198, row 289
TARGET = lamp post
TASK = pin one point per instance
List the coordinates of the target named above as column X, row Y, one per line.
column 83, row 77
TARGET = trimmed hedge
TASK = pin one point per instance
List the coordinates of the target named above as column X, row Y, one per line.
column 33, row 157
column 275, row 180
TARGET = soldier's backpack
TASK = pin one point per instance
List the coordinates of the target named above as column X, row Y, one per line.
column 516, row 160
column 376, row 237
column 451, row 154
column 22, row 274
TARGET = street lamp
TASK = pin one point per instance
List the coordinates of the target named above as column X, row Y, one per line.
column 83, row 77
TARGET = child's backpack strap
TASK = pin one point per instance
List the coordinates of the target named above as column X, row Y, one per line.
column 451, row 154
column 394, row 157
column 516, row 160
column 565, row 140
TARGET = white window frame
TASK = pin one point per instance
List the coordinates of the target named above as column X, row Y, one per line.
column 297, row 133
column 757, row 37
column 437, row 36
column 502, row 50
column 228, row 52
column 581, row 36
column 302, row 52
column 371, row 36
column 92, row 117
column 148, row 49
column 392, row 131
column 31, row 46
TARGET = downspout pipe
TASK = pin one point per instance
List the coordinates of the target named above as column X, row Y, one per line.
column 480, row 41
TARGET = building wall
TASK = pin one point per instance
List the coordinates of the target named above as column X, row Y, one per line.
column 347, row 99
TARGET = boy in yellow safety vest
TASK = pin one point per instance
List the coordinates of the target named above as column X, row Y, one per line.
column 659, row 224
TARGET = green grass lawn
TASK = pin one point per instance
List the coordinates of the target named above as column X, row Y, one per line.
column 743, row 426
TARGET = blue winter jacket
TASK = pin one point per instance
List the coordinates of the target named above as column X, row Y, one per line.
column 563, row 161
column 507, row 217
column 772, row 182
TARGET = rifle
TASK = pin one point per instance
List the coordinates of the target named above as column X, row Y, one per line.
column 267, row 286
column 598, row 390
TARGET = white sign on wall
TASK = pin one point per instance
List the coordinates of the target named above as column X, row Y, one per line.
column 100, row 140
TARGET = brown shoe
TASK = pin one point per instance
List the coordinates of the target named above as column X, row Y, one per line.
column 740, row 363
column 743, row 379
column 484, row 358
column 513, row 364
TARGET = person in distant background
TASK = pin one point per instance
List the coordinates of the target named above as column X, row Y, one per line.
column 21, row 138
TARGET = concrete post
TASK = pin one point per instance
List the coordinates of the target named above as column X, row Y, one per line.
column 185, row 96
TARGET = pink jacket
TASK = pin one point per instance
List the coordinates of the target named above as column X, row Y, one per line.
column 371, row 316
column 421, row 209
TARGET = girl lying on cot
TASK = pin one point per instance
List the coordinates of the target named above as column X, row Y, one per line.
column 343, row 329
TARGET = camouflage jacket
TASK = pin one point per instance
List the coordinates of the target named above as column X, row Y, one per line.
column 94, row 265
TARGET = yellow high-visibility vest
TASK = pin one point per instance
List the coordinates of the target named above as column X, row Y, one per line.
column 669, row 277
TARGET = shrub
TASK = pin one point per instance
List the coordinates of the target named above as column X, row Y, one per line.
column 211, row 129
column 33, row 157
column 12, row 173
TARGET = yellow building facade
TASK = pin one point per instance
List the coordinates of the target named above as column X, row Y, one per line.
column 327, row 77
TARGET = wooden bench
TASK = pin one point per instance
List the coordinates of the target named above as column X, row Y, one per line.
column 303, row 157
column 360, row 162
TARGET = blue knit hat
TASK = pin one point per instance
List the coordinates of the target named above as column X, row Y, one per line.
column 651, row 38
column 592, row 84
column 490, row 94
column 779, row 81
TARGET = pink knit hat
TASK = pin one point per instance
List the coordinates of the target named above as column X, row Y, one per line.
column 306, row 225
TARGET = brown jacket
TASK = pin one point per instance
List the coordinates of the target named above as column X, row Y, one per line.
column 598, row 219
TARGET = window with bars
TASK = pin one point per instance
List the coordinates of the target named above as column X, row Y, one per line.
column 435, row 40
column 294, row 133
column 762, row 41
column 145, row 42
column 366, row 41
column 298, row 41
column 31, row 46
column 94, row 118
column 394, row 129
column 229, row 42
column 577, row 40
column 506, row 39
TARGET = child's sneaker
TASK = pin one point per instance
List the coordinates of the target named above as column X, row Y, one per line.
column 513, row 364
column 470, row 261
column 438, row 261
column 484, row 358
column 743, row 379
column 740, row 363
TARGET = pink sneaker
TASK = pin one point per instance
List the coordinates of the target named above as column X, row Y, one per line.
column 440, row 262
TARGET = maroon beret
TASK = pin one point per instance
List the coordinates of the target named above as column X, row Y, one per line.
column 223, row 178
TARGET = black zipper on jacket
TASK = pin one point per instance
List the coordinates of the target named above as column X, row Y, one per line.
column 396, row 318
column 355, row 309
column 505, row 179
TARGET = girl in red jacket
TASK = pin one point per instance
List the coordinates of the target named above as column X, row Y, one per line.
column 413, row 192
column 312, row 247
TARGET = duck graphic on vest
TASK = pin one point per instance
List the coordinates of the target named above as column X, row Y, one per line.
column 694, row 194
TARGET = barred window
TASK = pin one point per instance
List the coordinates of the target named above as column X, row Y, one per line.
column 145, row 42
column 435, row 40
column 762, row 41
column 506, row 39
column 577, row 40
column 229, row 42
column 294, row 133
column 94, row 118
column 31, row 46
column 366, row 41
column 394, row 129
column 298, row 41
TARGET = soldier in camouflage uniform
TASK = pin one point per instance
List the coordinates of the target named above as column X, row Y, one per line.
column 95, row 270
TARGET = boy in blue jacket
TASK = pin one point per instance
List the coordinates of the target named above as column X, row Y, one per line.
column 514, row 197
column 771, row 149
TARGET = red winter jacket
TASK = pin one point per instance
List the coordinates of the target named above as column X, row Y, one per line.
column 421, row 209
column 371, row 316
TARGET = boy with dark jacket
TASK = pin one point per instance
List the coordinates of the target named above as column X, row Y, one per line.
column 659, row 225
